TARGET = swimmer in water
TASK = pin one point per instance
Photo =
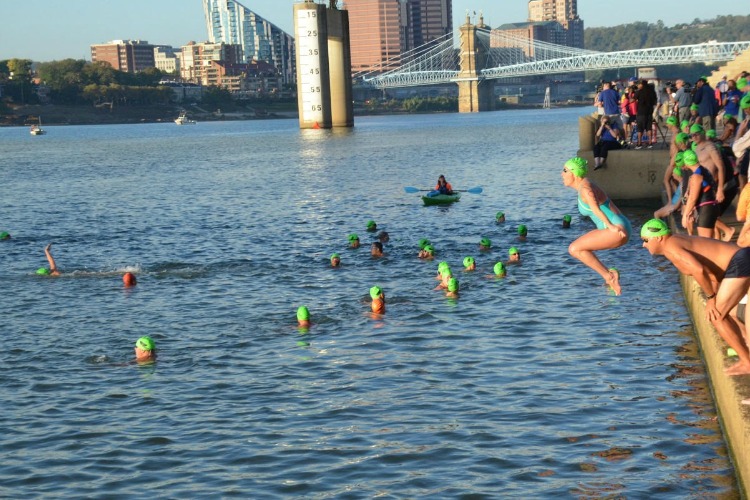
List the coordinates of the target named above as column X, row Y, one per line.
column 383, row 237
column 378, row 300
column 129, row 279
column 566, row 221
column 514, row 256
column 453, row 287
column 303, row 317
column 445, row 277
column 423, row 243
column 353, row 241
column 53, row 270
column 335, row 260
column 441, row 267
column 427, row 253
column 612, row 228
column 485, row 245
column 371, row 226
column 145, row 350
column 522, row 232
column 499, row 270
column 469, row 264
column 4, row 236
column 500, row 217
column 376, row 249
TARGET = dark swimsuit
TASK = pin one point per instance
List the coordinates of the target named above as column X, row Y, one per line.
column 739, row 264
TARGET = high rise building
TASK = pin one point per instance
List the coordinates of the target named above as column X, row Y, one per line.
column 130, row 56
column 380, row 31
column 230, row 22
column 564, row 12
column 196, row 58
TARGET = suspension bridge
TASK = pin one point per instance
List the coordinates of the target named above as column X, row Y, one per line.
column 485, row 55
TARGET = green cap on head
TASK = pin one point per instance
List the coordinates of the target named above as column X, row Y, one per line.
column 683, row 124
column 429, row 249
column 672, row 120
column 145, row 344
column 522, row 230
column 679, row 159
column 697, row 129
column 677, row 171
column 453, row 285
column 567, row 218
column 335, row 256
column 578, row 166
column 654, row 228
column 681, row 138
column 693, row 147
column 689, row 158
column 353, row 237
column 499, row 268
column 446, row 271
column 485, row 242
column 693, row 107
column 442, row 265
column 371, row 224
column 423, row 243
column 4, row 235
column 711, row 134
column 375, row 292
column 741, row 83
column 43, row 271
column 512, row 251
column 468, row 261
column 728, row 117
column 499, row 215
column 303, row 314
column 745, row 102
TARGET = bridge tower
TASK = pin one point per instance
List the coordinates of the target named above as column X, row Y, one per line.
column 474, row 93
column 324, row 82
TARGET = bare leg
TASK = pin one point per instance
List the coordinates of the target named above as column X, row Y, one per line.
column 599, row 239
column 721, row 228
column 731, row 291
column 706, row 232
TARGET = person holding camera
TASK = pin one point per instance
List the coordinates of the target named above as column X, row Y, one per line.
column 608, row 137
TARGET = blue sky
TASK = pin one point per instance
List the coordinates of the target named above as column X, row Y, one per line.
column 45, row 30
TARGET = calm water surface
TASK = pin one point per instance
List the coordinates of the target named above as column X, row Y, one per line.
column 541, row 384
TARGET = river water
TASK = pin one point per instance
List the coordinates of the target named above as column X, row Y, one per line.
column 538, row 385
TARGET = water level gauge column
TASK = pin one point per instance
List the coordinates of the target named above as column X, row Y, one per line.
column 313, row 82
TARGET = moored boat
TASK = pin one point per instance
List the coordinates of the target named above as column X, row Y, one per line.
column 37, row 129
column 184, row 120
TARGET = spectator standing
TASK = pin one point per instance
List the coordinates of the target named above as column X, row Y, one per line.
column 609, row 100
column 707, row 106
column 646, row 97
column 683, row 99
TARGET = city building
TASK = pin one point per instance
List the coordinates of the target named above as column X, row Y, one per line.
column 523, row 35
column 230, row 22
column 167, row 59
column 564, row 12
column 130, row 56
column 380, row 31
column 196, row 58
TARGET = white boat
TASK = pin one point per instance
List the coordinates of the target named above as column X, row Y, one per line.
column 184, row 120
column 37, row 129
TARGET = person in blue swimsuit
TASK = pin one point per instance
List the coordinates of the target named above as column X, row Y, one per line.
column 612, row 228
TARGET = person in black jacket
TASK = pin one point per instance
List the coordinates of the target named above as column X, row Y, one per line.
column 646, row 97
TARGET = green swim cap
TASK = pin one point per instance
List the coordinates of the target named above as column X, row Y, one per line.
column 512, row 251
column 578, row 166
column 335, row 256
column 728, row 116
column 654, row 228
column 468, row 261
column 741, row 83
column 684, row 123
column 145, row 343
column 353, row 237
column 499, row 215
column 522, row 230
column 745, row 102
column 446, row 271
column 423, row 243
column 429, row 249
column 499, row 268
column 4, row 235
column 485, row 242
column 679, row 158
column 43, row 271
column 567, row 218
column 672, row 120
column 442, row 266
column 693, row 107
column 693, row 147
column 681, row 138
column 711, row 133
column 697, row 129
column 453, row 285
column 303, row 314
column 690, row 158
column 677, row 171
column 371, row 224
column 375, row 292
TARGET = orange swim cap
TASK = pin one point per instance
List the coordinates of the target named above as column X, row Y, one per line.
column 378, row 306
column 129, row 279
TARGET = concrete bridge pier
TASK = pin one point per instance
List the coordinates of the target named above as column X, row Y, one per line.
column 474, row 93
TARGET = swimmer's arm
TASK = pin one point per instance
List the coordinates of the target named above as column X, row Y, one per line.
column 50, row 259
column 686, row 263
column 693, row 193
column 716, row 158
column 668, row 178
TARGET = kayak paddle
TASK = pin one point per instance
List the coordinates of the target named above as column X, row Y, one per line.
column 474, row 190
